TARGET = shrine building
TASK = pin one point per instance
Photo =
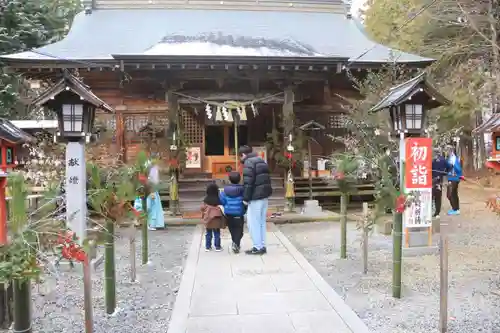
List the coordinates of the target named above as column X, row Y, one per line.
column 187, row 71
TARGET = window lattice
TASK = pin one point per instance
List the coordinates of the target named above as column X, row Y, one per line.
column 136, row 126
column 193, row 130
column 337, row 120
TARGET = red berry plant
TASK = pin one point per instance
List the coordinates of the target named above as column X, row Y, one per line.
column 70, row 250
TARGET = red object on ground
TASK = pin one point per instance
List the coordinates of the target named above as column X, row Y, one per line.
column 400, row 204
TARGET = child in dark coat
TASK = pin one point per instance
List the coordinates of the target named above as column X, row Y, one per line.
column 232, row 200
column 212, row 217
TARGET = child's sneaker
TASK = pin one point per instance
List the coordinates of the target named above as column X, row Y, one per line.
column 218, row 249
column 236, row 248
column 208, row 249
column 151, row 229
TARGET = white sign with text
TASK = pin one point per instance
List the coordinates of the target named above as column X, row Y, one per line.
column 419, row 212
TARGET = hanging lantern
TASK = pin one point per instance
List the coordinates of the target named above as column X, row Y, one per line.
column 218, row 114
column 208, row 111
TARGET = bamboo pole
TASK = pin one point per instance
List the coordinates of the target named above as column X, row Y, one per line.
column 22, row 306
column 132, row 254
column 443, row 282
column 109, row 268
column 365, row 237
column 397, row 251
column 397, row 232
column 87, row 295
column 145, row 254
column 343, row 226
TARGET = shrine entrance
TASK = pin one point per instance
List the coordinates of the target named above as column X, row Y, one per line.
column 220, row 149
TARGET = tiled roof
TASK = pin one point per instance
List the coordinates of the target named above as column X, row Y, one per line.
column 13, row 134
column 403, row 91
column 490, row 125
column 178, row 32
column 72, row 83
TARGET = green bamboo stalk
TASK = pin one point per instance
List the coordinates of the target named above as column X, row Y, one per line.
column 109, row 268
column 343, row 226
column 145, row 253
column 22, row 306
column 397, row 238
column 397, row 254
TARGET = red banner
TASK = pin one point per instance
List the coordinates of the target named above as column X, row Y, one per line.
column 418, row 159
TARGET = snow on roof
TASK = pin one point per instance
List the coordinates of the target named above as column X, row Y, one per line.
column 35, row 124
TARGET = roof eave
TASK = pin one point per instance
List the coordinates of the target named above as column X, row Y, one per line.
column 58, row 63
column 378, row 63
column 229, row 59
column 77, row 87
column 24, row 136
column 48, row 93
column 436, row 94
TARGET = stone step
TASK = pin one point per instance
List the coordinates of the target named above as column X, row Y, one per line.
column 194, row 204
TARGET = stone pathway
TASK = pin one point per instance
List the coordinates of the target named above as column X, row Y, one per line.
column 279, row 292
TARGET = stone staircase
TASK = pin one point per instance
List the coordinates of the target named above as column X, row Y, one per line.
column 192, row 189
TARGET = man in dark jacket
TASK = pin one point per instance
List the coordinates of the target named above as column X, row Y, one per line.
column 256, row 191
column 231, row 199
column 439, row 169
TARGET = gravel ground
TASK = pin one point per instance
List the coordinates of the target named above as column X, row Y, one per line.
column 474, row 282
column 143, row 307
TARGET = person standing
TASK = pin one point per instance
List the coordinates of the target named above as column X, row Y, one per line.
column 454, row 177
column 256, row 191
column 156, row 219
column 212, row 218
column 231, row 199
column 439, row 167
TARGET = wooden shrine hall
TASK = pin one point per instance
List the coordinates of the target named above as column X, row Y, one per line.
column 184, row 75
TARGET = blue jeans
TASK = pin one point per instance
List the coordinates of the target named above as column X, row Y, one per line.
column 256, row 221
column 208, row 238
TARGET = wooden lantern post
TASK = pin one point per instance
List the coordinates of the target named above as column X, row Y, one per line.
column 75, row 105
column 407, row 105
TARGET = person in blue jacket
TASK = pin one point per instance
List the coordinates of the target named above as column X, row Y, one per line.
column 439, row 168
column 454, row 177
column 231, row 199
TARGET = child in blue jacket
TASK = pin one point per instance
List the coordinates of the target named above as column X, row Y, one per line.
column 454, row 177
column 232, row 200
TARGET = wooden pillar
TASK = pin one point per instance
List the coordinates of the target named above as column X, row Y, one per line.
column 288, row 114
column 120, row 136
column 288, row 117
column 173, row 135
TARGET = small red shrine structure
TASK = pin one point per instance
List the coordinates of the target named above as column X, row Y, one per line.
column 10, row 139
